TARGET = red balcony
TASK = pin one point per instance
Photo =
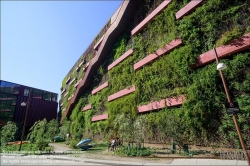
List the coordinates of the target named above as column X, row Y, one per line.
column 174, row 101
column 99, row 117
column 98, row 43
column 71, row 97
column 166, row 49
column 152, row 106
column 120, row 59
column 191, row 6
column 122, row 93
column 87, row 107
column 63, row 91
column 233, row 47
column 81, row 63
column 100, row 87
column 86, row 66
column 77, row 68
column 65, row 94
column 77, row 83
column 72, row 81
column 150, row 17
column 169, row 102
column 67, row 80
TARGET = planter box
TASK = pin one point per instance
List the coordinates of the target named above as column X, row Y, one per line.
column 122, row 93
column 169, row 102
column 100, row 87
column 152, row 15
column 191, row 6
column 166, row 49
column 235, row 46
column 120, row 59
column 99, row 117
column 87, row 107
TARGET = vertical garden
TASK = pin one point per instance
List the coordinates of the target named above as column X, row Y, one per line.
column 201, row 118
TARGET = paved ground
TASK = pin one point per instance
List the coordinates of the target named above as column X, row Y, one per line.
column 40, row 160
column 82, row 158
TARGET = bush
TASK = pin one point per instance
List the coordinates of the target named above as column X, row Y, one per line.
column 134, row 151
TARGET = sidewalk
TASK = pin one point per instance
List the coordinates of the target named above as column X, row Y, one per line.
column 175, row 161
column 145, row 163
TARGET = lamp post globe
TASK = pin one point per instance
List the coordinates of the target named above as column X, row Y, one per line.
column 221, row 66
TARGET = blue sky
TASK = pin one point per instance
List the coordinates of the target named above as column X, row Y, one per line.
column 42, row 40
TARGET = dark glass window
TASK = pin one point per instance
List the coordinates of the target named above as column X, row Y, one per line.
column 26, row 92
column 38, row 94
column 47, row 96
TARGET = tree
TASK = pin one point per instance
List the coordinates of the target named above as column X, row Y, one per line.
column 8, row 132
column 52, row 129
column 64, row 129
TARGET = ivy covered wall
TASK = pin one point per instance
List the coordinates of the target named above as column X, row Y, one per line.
column 202, row 118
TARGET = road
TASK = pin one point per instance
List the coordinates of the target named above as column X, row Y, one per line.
column 39, row 160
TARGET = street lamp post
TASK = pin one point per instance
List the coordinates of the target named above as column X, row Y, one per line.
column 220, row 67
column 25, row 119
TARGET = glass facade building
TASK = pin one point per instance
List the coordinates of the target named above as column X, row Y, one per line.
column 43, row 104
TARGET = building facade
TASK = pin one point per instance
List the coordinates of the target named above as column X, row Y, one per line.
column 153, row 64
column 43, row 104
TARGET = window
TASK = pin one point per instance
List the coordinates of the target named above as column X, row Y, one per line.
column 26, row 92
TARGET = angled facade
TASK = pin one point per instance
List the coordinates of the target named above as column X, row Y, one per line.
column 153, row 64
column 43, row 104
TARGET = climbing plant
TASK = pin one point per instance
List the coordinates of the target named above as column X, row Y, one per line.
column 202, row 117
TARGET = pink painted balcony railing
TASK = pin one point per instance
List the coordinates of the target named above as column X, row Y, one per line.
column 86, row 66
column 77, row 68
column 64, row 90
column 150, row 17
column 71, row 97
column 99, row 117
column 166, row 49
column 87, row 107
column 72, row 81
column 100, row 87
column 67, row 80
column 191, row 6
column 233, row 47
column 76, row 84
column 98, row 43
column 120, row 59
column 81, row 63
column 121, row 93
column 169, row 102
column 65, row 94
